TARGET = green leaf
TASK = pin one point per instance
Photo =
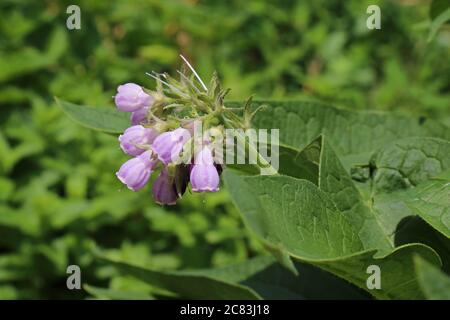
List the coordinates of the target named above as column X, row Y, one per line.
column 26, row 60
column 329, row 224
column 412, row 177
column 297, row 216
column 437, row 23
column 102, row 119
column 434, row 283
column 415, row 147
column 430, row 200
column 291, row 162
column 413, row 229
column 408, row 162
column 289, row 213
column 337, row 183
column 353, row 135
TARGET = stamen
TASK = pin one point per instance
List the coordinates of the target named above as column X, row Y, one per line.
column 195, row 73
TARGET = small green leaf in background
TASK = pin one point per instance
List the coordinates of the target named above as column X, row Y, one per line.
column 440, row 14
column 102, row 119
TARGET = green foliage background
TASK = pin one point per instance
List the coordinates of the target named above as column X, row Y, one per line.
column 59, row 199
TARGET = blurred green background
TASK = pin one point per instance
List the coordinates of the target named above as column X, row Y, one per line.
column 59, row 198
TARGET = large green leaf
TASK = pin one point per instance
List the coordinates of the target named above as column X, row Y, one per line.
column 290, row 213
column 338, row 185
column 297, row 216
column 434, row 283
column 302, row 165
column 103, row 119
column 404, row 151
column 328, row 218
column 329, row 224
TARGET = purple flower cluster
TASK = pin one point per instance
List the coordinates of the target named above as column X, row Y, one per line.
column 152, row 149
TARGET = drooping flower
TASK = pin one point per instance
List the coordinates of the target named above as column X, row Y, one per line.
column 132, row 140
column 139, row 116
column 204, row 176
column 136, row 171
column 168, row 145
column 200, row 116
column 164, row 191
column 131, row 97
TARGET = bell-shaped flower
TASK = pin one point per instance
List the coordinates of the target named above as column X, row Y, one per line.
column 204, row 176
column 131, row 97
column 135, row 138
column 169, row 145
column 164, row 191
column 136, row 172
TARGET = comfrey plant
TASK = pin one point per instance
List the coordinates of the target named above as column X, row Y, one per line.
column 179, row 129
column 355, row 196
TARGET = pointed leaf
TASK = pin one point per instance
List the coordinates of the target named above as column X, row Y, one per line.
column 103, row 119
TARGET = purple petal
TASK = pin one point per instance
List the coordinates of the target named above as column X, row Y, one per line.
column 164, row 190
column 168, row 145
column 131, row 97
column 135, row 172
column 204, row 178
column 135, row 136
column 204, row 157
